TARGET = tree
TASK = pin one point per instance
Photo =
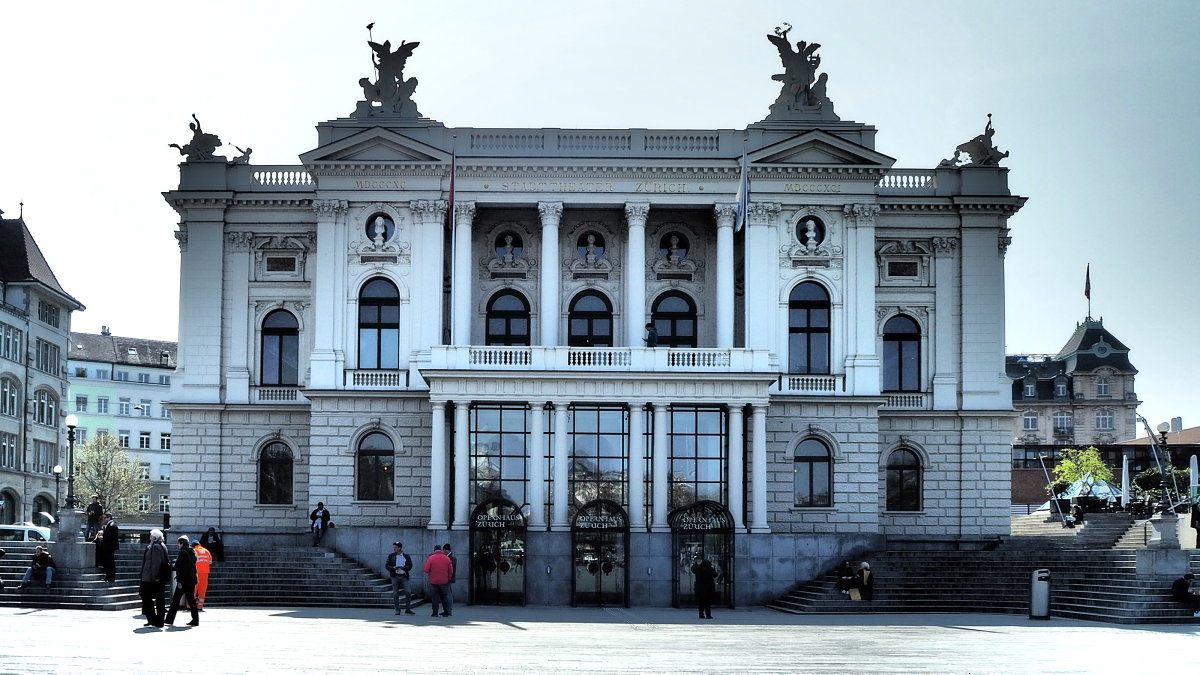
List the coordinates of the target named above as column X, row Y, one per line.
column 1074, row 465
column 102, row 467
column 1148, row 483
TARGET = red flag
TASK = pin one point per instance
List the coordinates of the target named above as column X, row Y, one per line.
column 1087, row 283
column 450, row 208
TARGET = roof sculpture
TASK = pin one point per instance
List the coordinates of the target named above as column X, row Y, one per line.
column 802, row 95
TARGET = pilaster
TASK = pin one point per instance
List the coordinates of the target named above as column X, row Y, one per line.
column 328, row 359
column 862, row 357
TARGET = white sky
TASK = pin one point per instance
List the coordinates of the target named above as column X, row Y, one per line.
column 1096, row 102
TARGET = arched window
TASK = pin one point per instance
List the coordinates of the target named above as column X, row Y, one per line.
column 1029, row 421
column 901, row 354
column 903, row 481
column 813, row 474
column 808, row 329
column 9, row 505
column 508, row 319
column 42, row 511
column 280, row 349
column 590, row 321
column 9, row 395
column 275, row 464
column 45, row 410
column 379, row 325
column 674, row 317
column 376, row 468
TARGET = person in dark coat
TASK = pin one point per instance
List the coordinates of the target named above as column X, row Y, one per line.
column 705, row 586
column 94, row 512
column 845, row 577
column 320, row 522
column 211, row 540
column 156, row 572
column 864, row 581
column 185, row 582
column 1181, row 591
column 1196, row 521
column 108, row 543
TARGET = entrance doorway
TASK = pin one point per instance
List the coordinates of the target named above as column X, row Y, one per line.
column 702, row 530
column 600, row 547
column 498, row 554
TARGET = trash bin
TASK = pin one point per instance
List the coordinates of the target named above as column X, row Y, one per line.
column 1039, row 595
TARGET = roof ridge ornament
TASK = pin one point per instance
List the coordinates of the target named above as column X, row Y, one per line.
column 390, row 90
column 979, row 150
column 803, row 95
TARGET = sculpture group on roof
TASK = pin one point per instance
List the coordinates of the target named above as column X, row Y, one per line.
column 389, row 88
column 979, row 150
column 202, row 147
column 803, row 92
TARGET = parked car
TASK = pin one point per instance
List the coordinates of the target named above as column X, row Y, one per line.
column 24, row 532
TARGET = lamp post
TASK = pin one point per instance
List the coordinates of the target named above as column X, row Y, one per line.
column 72, row 422
column 57, row 471
column 1164, row 467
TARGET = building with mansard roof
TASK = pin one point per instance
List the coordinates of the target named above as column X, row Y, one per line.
column 587, row 356
column 35, row 324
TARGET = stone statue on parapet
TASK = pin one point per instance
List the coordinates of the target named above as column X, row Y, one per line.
column 979, row 151
column 243, row 158
column 803, row 94
column 389, row 88
column 202, row 147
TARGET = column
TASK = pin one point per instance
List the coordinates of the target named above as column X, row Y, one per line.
column 329, row 303
column 940, row 340
column 762, row 290
column 237, row 281
column 758, row 469
column 635, row 273
column 737, row 469
column 659, row 465
column 427, row 318
column 461, row 282
column 437, row 467
column 551, row 214
column 558, row 519
column 462, row 477
column 726, row 214
column 637, row 468
column 862, row 357
column 535, row 469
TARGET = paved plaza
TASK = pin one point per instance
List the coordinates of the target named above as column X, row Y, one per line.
column 497, row 641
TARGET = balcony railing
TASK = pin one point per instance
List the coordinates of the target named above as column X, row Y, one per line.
column 279, row 395
column 615, row 359
column 809, row 384
column 906, row 401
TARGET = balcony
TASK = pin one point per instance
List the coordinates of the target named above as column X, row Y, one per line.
column 906, row 401
column 278, row 395
column 604, row 359
column 807, row 385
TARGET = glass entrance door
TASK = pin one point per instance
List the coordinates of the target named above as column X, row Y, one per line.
column 497, row 554
column 600, row 550
column 702, row 530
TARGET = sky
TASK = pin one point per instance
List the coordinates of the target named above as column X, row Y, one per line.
column 1095, row 101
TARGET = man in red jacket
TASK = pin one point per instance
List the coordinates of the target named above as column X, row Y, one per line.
column 440, row 569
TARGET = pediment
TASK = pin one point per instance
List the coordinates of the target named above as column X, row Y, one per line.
column 820, row 148
column 376, row 145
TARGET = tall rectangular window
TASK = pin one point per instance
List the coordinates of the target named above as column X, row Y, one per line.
column 10, row 342
column 81, row 404
column 124, row 407
column 102, row 405
column 10, row 458
column 698, row 455
column 48, row 313
column 123, row 438
column 164, row 504
column 45, row 357
column 164, row 441
column 599, row 467
column 144, row 407
column 144, row 440
column 499, row 445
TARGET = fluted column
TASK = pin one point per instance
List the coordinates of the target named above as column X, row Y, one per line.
column 660, row 465
column 562, row 496
column 762, row 247
column 535, row 470
column 726, row 214
column 461, row 283
column 437, row 467
column 551, row 214
column 737, row 458
column 241, row 315
column 329, row 295
column 637, row 468
column 635, row 273
column 758, row 469
column 429, row 223
column 462, row 477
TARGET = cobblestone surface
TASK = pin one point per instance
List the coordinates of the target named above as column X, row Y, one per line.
column 497, row 641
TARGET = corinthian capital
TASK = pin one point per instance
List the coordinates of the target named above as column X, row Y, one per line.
column 550, row 212
column 863, row 214
column 428, row 210
column 636, row 213
column 464, row 213
column 240, row 240
column 762, row 213
column 944, row 244
column 329, row 208
column 726, row 213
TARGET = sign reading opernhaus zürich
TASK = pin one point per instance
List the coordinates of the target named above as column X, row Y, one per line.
column 586, row 358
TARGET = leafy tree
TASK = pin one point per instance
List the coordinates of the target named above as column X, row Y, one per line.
column 103, row 467
column 1148, row 483
column 1075, row 464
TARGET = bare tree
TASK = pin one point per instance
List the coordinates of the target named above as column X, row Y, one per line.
column 103, row 467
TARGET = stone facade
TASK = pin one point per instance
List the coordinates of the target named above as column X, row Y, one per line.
column 436, row 330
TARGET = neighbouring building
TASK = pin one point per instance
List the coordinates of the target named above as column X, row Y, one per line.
column 441, row 333
column 118, row 386
column 1082, row 396
column 35, row 325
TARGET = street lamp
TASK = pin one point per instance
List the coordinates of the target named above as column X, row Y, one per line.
column 72, row 422
column 1165, row 465
column 57, row 471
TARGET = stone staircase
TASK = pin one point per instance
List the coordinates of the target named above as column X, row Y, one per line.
column 299, row 576
column 1038, row 531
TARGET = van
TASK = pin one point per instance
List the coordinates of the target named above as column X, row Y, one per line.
column 24, row 532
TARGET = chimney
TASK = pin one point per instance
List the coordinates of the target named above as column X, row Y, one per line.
column 104, row 331
column 1176, row 424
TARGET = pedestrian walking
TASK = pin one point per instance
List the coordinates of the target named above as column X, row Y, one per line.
column 185, row 582
column 320, row 522
column 705, row 586
column 109, row 542
column 156, row 572
column 439, row 569
column 204, row 561
column 398, row 565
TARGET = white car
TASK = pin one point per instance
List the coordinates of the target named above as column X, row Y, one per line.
column 24, row 532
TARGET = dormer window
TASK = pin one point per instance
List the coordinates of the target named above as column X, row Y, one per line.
column 1060, row 388
column 1102, row 387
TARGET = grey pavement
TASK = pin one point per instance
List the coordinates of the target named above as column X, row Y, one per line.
column 497, row 641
